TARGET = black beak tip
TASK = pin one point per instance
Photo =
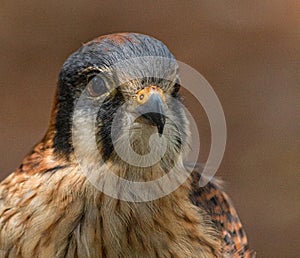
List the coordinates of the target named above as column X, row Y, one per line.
column 161, row 125
column 157, row 120
column 153, row 111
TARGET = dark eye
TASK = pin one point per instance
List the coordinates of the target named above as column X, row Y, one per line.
column 96, row 87
column 175, row 90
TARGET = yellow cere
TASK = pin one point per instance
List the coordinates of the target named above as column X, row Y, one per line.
column 143, row 95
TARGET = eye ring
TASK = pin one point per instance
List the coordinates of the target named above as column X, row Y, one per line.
column 96, row 86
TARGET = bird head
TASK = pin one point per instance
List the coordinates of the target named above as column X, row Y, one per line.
column 127, row 84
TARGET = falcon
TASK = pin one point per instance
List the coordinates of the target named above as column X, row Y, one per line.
column 51, row 206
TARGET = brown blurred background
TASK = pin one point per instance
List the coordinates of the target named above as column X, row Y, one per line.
column 249, row 51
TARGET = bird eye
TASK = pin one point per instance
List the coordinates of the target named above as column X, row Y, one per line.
column 175, row 90
column 96, row 87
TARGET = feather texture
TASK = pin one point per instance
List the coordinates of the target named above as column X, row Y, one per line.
column 49, row 208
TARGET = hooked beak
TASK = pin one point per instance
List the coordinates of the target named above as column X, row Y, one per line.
column 151, row 107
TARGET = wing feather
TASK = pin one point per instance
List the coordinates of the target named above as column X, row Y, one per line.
column 218, row 205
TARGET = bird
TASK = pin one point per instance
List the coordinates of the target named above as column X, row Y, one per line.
column 50, row 207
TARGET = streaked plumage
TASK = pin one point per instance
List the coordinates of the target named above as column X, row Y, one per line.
column 49, row 209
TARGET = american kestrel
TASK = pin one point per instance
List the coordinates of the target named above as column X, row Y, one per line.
column 50, row 208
